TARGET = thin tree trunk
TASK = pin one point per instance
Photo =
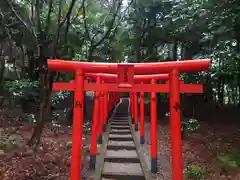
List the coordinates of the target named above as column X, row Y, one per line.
column 46, row 81
column 22, row 74
column 2, row 67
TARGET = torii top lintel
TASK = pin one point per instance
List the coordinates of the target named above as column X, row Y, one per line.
column 137, row 78
column 139, row 68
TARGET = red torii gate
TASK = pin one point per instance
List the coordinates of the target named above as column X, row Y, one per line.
column 189, row 88
column 126, row 80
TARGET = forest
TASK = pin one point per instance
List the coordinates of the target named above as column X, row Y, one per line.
column 35, row 123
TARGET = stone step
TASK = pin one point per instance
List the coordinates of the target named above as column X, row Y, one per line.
column 120, row 135
column 110, row 147
column 121, row 154
column 122, row 159
column 121, row 143
column 120, row 132
column 121, row 138
column 122, row 169
column 113, row 176
column 121, row 114
column 120, row 127
column 120, row 123
column 120, row 118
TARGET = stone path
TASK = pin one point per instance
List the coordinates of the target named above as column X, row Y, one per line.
column 122, row 158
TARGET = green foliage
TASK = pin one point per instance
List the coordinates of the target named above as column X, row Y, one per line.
column 65, row 77
column 29, row 118
column 229, row 161
column 194, row 172
column 59, row 96
column 187, row 125
column 55, row 116
column 26, row 89
column 190, row 125
column 23, row 89
column 67, row 145
column 7, row 142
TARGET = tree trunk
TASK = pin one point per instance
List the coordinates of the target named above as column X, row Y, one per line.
column 237, row 37
column 22, row 74
column 2, row 67
column 90, row 53
column 208, row 90
column 173, row 51
column 32, row 65
column 46, row 81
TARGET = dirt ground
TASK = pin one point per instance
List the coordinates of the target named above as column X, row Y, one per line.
column 200, row 148
column 52, row 160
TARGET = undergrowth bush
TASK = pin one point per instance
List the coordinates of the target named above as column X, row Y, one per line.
column 59, row 96
column 27, row 93
column 7, row 142
column 188, row 125
column 23, row 89
column 194, row 172
column 229, row 161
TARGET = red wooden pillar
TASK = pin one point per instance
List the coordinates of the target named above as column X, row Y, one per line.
column 105, row 111
column 95, row 122
column 111, row 104
column 117, row 97
column 113, row 100
column 175, row 123
column 75, row 173
column 133, row 108
column 136, row 111
column 109, row 101
column 142, row 140
column 101, row 118
column 153, row 111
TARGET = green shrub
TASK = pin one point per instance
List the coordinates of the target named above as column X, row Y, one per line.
column 68, row 145
column 59, row 96
column 194, row 172
column 229, row 161
column 7, row 142
column 23, row 89
column 26, row 89
column 189, row 126
column 27, row 92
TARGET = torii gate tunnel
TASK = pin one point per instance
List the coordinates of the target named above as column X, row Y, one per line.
column 133, row 78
